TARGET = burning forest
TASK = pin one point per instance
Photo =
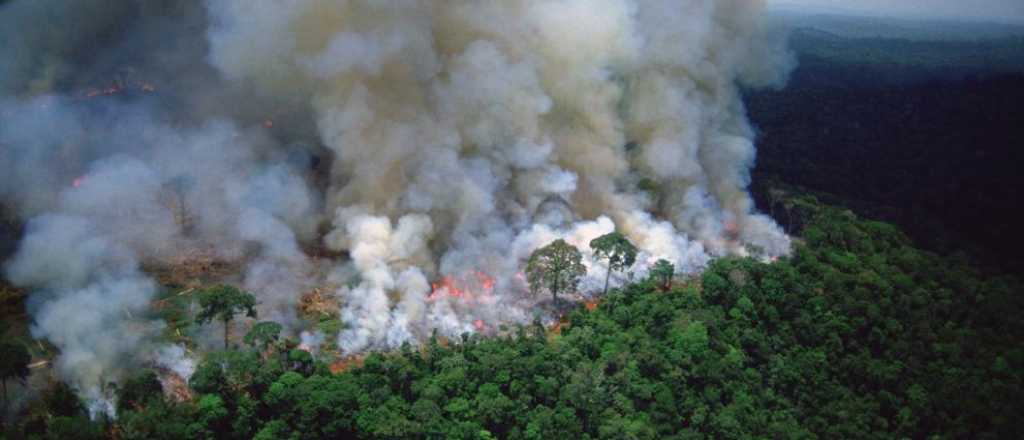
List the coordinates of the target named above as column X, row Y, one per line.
column 386, row 166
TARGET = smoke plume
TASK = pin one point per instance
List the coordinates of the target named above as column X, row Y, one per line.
column 405, row 156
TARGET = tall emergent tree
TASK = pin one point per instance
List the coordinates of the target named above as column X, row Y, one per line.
column 223, row 302
column 662, row 272
column 616, row 248
column 14, row 359
column 557, row 266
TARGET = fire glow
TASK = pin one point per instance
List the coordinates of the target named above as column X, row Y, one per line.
column 116, row 88
column 475, row 286
column 403, row 145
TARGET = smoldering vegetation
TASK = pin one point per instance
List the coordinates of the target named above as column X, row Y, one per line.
column 394, row 154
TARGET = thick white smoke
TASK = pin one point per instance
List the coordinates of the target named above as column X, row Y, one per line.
column 428, row 146
column 92, row 293
column 175, row 359
column 459, row 127
column 207, row 189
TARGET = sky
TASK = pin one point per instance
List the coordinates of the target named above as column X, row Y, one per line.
column 994, row 10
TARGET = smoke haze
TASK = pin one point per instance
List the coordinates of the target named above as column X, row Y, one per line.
column 404, row 156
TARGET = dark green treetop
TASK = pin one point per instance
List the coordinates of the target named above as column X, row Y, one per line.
column 14, row 360
column 263, row 334
column 222, row 302
column 616, row 248
column 557, row 267
column 662, row 272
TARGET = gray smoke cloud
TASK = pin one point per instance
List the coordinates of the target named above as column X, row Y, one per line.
column 90, row 288
column 200, row 189
column 427, row 146
column 460, row 127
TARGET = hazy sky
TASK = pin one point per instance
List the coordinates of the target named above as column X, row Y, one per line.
column 1000, row 10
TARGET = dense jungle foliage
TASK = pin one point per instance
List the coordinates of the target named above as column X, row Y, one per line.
column 857, row 335
column 870, row 330
column 897, row 131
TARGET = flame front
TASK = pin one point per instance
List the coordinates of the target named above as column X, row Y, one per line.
column 475, row 286
column 117, row 87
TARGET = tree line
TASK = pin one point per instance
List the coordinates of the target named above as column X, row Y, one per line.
column 857, row 335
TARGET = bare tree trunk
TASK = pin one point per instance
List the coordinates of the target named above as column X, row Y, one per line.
column 227, row 331
column 554, row 291
column 606, row 277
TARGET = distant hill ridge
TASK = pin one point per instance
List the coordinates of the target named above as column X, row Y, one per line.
column 852, row 25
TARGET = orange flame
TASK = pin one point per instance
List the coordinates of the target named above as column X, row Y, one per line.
column 471, row 287
column 117, row 87
column 732, row 230
column 474, row 287
column 486, row 281
column 92, row 93
column 447, row 287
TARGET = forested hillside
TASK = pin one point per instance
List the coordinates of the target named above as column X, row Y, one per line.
column 899, row 131
column 890, row 163
column 857, row 335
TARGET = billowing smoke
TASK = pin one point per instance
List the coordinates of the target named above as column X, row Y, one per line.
column 405, row 156
column 175, row 359
column 460, row 127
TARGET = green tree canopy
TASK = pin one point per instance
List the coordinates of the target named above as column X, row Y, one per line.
column 138, row 390
column 662, row 272
column 14, row 360
column 616, row 248
column 857, row 335
column 557, row 267
column 222, row 302
column 63, row 402
column 263, row 334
